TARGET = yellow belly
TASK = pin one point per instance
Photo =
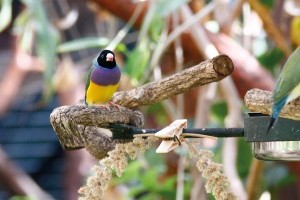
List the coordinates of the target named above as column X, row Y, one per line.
column 97, row 94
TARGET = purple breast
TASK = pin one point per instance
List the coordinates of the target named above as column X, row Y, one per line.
column 103, row 76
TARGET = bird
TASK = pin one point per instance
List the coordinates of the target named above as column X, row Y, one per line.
column 287, row 86
column 102, row 80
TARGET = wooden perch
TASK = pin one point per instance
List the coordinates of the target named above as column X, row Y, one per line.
column 206, row 72
column 257, row 100
column 79, row 126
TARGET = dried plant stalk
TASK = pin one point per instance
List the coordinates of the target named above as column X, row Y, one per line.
column 216, row 182
column 98, row 183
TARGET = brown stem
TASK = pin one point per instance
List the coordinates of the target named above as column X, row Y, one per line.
column 255, row 171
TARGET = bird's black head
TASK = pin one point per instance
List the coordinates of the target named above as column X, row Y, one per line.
column 106, row 59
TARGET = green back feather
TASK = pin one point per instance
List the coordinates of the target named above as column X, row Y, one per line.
column 289, row 77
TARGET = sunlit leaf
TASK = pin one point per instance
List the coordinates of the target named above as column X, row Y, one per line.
column 156, row 27
column 5, row 13
column 84, row 43
column 26, row 38
column 21, row 22
column 137, row 61
column 46, row 41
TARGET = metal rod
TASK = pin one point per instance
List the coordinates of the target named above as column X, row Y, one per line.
column 122, row 131
column 215, row 132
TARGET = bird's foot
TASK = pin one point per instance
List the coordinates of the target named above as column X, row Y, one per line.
column 118, row 107
column 106, row 107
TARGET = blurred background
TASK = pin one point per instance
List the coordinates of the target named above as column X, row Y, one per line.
column 46, row 47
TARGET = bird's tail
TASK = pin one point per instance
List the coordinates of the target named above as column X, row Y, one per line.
column 272, row 122
column 275, row 113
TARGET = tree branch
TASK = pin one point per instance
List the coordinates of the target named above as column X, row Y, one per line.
column 257, row 100
column 78, row 126
column 206, row 72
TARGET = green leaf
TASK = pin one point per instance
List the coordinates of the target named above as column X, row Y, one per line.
column 84, row 43
column 156, row 27
column 271, row 58
column 5, row 13
column 137, row 61
column 21, row 21
column 46, row 41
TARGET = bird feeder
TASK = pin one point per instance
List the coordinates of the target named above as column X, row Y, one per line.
column 281, row 143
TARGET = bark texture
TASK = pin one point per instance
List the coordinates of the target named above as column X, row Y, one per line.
column 257, row 100
column 206, row 72
column 78, row 126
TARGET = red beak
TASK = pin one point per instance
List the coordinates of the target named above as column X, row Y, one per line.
column 109, row 57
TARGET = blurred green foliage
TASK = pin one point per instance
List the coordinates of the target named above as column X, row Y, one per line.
column 20, row 198
column 146, row 180
column 35, row 32
column 268, row 3
column 271, row 59
column 219, row 111
column 86, row 43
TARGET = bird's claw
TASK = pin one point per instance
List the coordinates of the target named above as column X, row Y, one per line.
column 118, row 107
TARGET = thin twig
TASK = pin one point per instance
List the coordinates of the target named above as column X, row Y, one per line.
column 122, row 33
column 271, row 28
column 188, row 23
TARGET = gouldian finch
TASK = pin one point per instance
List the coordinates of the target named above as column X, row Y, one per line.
column 103, row 79
column 287, row 86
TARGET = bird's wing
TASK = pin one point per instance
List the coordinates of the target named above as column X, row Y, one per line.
column 289, row 77
column 87, row 82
